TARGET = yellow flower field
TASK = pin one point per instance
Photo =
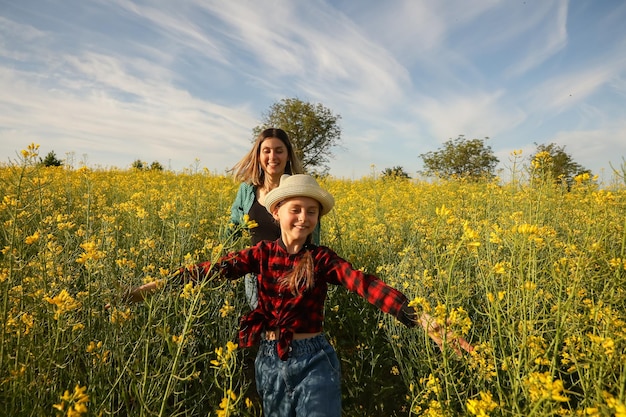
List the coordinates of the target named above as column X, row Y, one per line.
column 532, row 274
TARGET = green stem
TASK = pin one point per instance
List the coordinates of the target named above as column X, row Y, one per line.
column 177, row 358
column 11, row 247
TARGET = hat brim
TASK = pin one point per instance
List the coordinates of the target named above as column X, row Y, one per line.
column 285, row 192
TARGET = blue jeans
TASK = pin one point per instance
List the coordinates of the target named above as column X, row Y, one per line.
column 307, row 384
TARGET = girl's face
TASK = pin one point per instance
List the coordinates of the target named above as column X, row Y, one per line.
column 298, row 217
column 273, row 156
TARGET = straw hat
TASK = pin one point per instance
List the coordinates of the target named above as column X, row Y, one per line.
column 299, row 185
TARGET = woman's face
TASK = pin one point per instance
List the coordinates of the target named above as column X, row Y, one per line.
column 273, row 157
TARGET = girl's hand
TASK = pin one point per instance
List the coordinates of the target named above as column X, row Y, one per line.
column 138, row 294
column 433, row 329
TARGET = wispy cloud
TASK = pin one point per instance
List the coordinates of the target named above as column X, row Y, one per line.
column 546, row 30
column 561, row 91
column 317, row 49
column 177, row 23
column 115, row 104
column 478, row 115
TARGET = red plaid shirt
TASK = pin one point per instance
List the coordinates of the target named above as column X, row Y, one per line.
column 278, row 308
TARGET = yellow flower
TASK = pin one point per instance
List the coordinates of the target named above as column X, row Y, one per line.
column 482, row 407
column 541, row 386
column 226, row 309
column 63, row 303
column 92, row 346
column 223, row 358
column 227, row 403
column 591, row 411
column 607, row 344
column 420, row 304
column 432, row 384
column 91, row 252
column 617, row 263
column 443, row 211
column 471, row 236
column 473, row 245
column 499, row 268
column 615, row 404
column 459, row 321
column 495, row 238
column 482, row 361
column 120, row 317
column 492, row 298
column 249, row 223
column 74, row 404
column 580, row 178
column 434, row 409
column 31, row 151
column 32, row 238
column 541, row 159
column 231, row 347
column 189, row 290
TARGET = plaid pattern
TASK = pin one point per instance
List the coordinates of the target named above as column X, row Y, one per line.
column 278, row 308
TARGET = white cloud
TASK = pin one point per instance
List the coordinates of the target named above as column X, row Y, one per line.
column 175, row 21
column 547, row 31
column 475, row 115
column 560, row 92
column 589, row 147
column 320, row 52
column 95, row 116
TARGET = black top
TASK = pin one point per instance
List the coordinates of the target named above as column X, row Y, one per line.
column 267, row 229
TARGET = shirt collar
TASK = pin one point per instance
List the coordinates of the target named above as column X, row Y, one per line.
column 307, row 246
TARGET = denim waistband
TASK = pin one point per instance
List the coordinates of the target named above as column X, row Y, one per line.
column 298, row 347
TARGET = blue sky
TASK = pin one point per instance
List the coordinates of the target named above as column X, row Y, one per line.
column 108, row 82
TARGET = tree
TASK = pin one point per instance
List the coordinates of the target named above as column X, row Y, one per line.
column 51, row 160
column 312, row 128
column 552, row 160
column 395, row 172
column 156, row 166
column 461, row 158
column 138, row 164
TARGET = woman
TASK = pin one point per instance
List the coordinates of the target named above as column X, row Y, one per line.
column 259, row 172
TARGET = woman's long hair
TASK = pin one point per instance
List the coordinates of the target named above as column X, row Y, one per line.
column 249, row 170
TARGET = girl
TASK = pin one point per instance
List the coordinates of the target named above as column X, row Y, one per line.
column 297, row 370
